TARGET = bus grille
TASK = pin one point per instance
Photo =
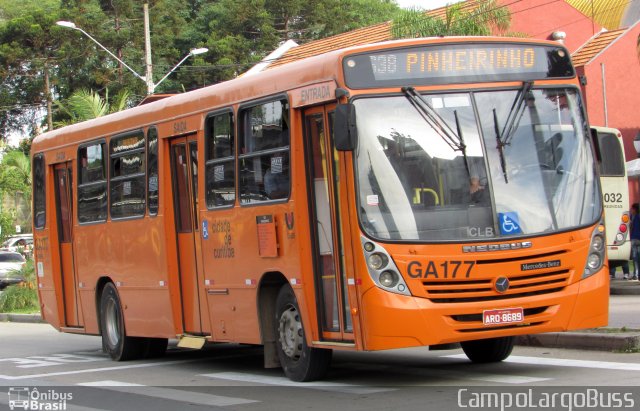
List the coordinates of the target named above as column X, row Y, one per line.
column 474, row 290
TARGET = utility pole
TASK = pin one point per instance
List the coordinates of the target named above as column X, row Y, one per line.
column 147, row 51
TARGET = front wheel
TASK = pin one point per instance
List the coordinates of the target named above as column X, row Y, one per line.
column 299, row 361
column 114, row 338
column 489, row 350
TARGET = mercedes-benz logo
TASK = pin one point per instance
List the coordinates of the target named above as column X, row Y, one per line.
column 502, row 284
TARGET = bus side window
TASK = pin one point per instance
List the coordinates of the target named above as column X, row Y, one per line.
column 220, row 185
column 264, row 144
column 39, row 192
column 152, row 171
column 92, row 184
column 128, row 175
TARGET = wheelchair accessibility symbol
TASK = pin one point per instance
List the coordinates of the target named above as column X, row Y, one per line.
column 509, row 223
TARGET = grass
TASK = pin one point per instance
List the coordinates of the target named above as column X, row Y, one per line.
column 21, row 298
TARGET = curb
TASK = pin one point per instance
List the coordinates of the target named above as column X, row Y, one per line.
column 598, row 341
column 624, row 287
column 624, row 291
column 21, row 318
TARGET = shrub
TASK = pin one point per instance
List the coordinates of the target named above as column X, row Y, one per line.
column 24, row 296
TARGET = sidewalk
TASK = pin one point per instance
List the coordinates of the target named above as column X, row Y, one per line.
column 622, row 334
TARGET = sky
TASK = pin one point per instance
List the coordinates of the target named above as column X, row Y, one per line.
column 424, row 4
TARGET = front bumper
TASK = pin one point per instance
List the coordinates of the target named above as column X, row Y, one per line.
column 397, row 321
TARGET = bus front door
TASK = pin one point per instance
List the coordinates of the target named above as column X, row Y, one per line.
column 328, row 223
column 184, row 167
column 64, row 213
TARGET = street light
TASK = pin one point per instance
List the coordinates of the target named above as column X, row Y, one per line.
column 151, row 86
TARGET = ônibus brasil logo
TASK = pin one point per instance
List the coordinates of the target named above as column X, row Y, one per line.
column 33, row 399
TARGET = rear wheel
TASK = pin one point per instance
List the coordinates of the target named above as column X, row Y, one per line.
column 115, row 341
column 489, row 350
column 299, row 361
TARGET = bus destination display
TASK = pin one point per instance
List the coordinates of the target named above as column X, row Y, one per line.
column 456, row 63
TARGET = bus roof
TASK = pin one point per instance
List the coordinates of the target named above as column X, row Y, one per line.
column 244, row 88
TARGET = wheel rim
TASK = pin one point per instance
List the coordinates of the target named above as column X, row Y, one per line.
column 290, row 330
column 112, row 323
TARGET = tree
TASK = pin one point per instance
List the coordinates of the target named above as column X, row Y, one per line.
column 305, row 20
column 28, row 50
column 485, row 19
column 41, row 62
column 15, row 173
column 86, row 105
column 15, row 183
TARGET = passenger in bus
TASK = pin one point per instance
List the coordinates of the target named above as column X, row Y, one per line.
column 478, row 193
column 276, row 181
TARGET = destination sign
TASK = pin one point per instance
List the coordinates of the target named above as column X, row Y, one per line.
column 457, row 63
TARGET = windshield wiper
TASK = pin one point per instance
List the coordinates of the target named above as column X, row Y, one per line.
column 435, row 120
column 515, row 113
column 500, row 146
column 511, row 125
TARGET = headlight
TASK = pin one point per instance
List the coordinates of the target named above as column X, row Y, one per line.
column 388, row 279
column 596, row 255
column 377, row 261
column 594, row 261
column 382, row 269
column 598, row 243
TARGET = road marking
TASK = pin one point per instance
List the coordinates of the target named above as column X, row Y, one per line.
column 190, row 397
column 446, row 374
column 48, row 361
column 285, row 382
column 559, row 362
column 109, row 383
column 476, row 376
column 117, row 368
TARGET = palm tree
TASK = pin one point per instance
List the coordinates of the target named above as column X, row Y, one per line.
column 15, row 184
column 17, row 165
column 86, row 105
column 483, row 18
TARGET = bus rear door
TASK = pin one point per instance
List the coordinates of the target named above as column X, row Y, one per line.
column 184, row 167
column 64, row 213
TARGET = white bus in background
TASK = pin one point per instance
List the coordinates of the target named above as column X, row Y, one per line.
column 615, row 193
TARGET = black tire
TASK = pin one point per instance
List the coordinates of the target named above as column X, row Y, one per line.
column 155, row 347
column 299, row 361
column 115, row 341
column 489, row 350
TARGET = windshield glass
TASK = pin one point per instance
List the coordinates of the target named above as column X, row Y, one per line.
column 534, row 176
column 11, row 258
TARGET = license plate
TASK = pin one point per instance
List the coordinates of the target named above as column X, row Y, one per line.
column 502, row 316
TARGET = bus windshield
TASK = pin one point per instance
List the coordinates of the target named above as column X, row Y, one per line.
column 474, row 165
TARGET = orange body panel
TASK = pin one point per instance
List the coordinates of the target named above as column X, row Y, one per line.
column 394, row 321
column 171, row 283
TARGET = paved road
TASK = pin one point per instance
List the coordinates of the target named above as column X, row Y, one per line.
column 624, row 311
column 231, row 377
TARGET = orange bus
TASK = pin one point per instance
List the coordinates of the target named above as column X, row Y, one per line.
column 421, row 192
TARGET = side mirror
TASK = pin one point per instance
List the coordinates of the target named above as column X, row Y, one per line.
column 344, row 128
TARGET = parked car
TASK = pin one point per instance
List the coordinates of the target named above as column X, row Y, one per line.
column 22, row 243
column 10, row 261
